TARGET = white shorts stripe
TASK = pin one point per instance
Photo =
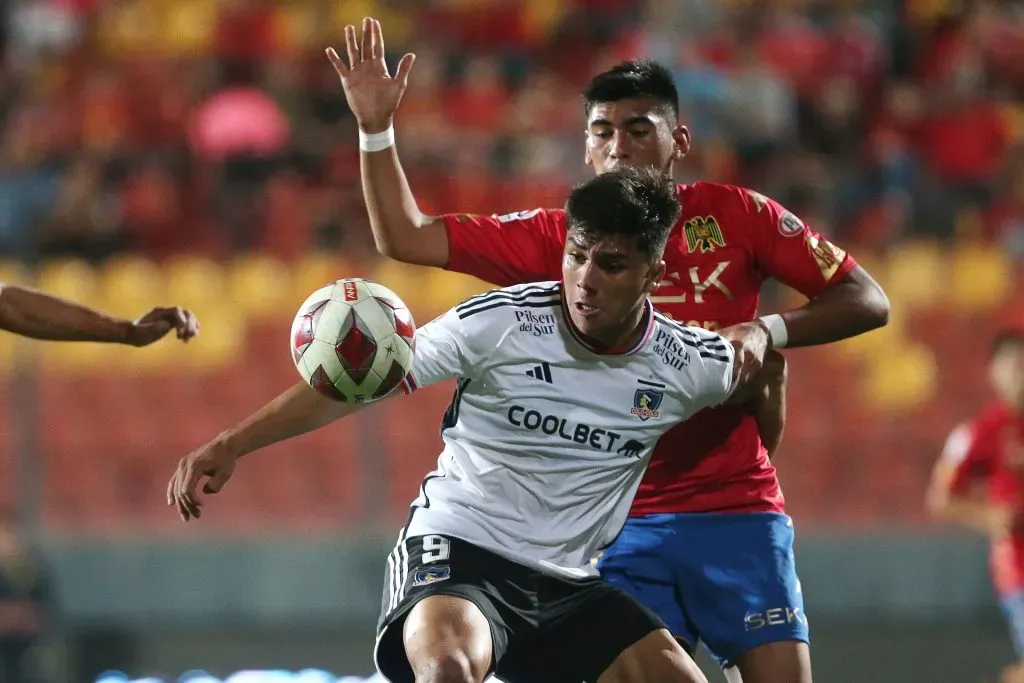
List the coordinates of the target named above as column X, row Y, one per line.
column 398, row 572
column 392, row 571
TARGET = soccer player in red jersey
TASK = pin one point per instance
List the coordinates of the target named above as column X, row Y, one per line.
column 979, row 481
column 708, row 545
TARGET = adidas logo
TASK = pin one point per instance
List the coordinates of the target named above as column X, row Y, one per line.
column 541, row 372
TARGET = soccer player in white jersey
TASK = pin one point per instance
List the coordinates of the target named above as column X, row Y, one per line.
column 563, row 390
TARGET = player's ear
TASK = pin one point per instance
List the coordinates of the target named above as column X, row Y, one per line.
column 654, row 276
column 681, row 137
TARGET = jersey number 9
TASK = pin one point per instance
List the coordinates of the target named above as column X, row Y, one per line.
column 435, row 549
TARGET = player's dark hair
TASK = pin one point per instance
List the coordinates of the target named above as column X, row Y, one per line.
column 635, row 78
column 1009, row 336
column 639, row 203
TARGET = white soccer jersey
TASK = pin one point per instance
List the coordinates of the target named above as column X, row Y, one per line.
column 546, row 441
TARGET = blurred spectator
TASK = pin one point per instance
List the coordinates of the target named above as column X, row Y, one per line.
column 29, row 181
column 762, row 109
column 1005, row 219
column 26, row 605
column 41, row 27
column 245, row 32
column 240, row 120
column 240, row 131
column 890, row 156
column 479, row 99
column 86, row 217
column 793, row 47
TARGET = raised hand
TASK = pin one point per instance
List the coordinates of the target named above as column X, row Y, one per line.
column 371, row 92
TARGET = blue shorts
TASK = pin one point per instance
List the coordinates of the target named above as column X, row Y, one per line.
column 727, row 580
column 1013, row 609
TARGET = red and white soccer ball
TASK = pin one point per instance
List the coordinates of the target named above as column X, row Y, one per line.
column 353, row 340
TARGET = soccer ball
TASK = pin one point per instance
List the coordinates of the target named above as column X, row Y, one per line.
column 353, row 340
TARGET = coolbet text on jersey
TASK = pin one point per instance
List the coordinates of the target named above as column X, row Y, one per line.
column 727, row 242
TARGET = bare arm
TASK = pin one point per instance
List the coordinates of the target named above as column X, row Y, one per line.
column 766, row 394
column 440, row 354
column 770, row 402
column 32, row 313
column 851, row 306
column 503, row 250
column 296, row 411
column 400, row 230
column 844, row 299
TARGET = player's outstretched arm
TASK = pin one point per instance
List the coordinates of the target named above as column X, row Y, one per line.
column 297, row 411
column 401, row 231
column 31, row 313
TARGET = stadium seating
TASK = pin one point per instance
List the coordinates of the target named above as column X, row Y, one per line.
column 140, row 409
column 982, row 277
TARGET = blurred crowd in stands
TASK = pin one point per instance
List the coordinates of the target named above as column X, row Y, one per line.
column 217, row 126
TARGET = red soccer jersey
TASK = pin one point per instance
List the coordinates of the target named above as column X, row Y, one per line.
column 727, row 242
column 989, row 449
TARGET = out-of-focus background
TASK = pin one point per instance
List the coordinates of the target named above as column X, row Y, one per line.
column 200, row 152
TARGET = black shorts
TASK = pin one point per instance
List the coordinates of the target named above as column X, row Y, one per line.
column 544, row 629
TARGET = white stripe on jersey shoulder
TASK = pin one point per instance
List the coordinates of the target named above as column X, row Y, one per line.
column 535, row 295
column 707, row 347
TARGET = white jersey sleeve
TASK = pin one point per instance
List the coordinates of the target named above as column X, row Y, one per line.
column 439, row 352
column 716, row 360
column 712, row 367
column 705, row 361
column 449, row 346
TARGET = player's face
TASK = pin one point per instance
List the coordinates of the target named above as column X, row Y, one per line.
column 1006, row 372
column 606, row 283
column 634, row 132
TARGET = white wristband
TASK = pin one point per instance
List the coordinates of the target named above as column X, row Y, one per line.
column 777, row 331
column 376, row 142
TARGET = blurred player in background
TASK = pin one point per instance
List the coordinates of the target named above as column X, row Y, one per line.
column 708, row 545
column 492, row 572
column 31, row 313
column 979, row 482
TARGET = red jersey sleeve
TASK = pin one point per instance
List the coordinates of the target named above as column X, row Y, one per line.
column 789, row 251
column 507, row 250
column 966, row 454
